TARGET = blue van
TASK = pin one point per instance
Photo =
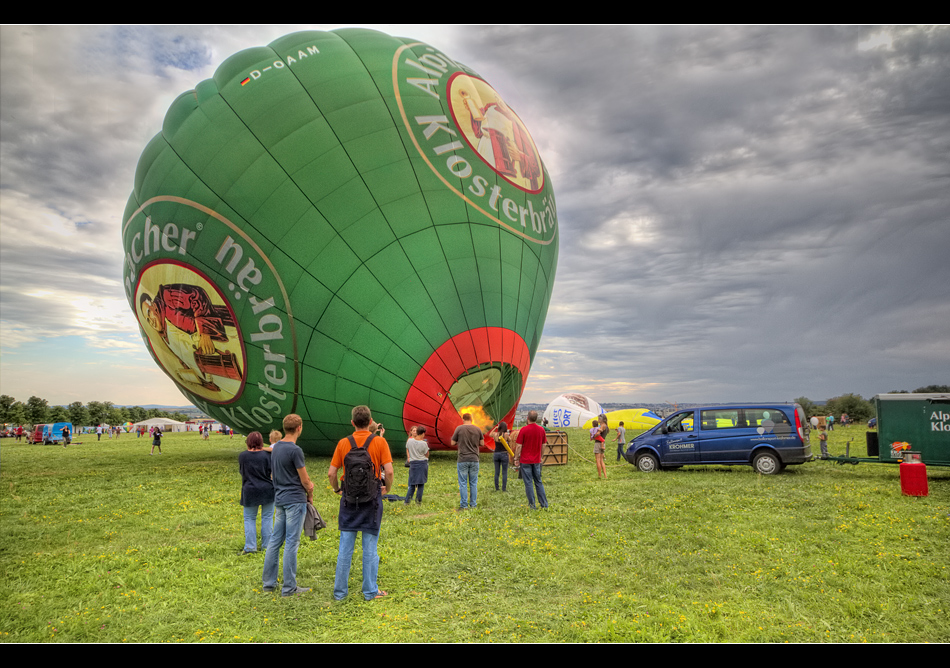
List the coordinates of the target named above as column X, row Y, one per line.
column 767, row 437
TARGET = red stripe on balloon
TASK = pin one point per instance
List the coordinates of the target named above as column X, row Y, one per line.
column 427, row 402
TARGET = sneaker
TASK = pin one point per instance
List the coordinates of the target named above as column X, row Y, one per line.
column 298, row 590
column 270, row 590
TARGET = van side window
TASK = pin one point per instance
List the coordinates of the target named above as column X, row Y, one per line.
column 764, row 417
column 719, row 419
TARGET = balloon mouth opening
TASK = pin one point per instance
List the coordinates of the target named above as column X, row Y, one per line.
column 483, row 368
column 487, row 392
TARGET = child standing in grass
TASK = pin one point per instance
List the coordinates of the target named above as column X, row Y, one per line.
column 823, row 441
column 156, row 441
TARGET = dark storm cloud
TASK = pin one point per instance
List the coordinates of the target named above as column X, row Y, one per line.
column 741, row 205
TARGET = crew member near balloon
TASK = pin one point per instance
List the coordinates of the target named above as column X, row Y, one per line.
column 467, row 439
column 501, row 436
column 190, row 324
column 531, row 439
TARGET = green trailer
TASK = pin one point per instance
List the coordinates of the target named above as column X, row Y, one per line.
column 923, row 420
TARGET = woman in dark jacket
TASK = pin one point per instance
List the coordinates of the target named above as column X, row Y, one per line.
column 257, row 489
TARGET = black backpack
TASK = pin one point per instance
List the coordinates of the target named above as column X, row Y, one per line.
column 360, row 484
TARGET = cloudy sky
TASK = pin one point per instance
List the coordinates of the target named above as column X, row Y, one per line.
column 746, row 213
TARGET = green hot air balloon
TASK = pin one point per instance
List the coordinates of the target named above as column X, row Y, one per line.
column 342, row 218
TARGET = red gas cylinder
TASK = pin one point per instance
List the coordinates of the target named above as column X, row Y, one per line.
column 913, row 479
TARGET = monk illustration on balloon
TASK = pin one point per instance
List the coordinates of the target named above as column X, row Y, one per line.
column 195, row 331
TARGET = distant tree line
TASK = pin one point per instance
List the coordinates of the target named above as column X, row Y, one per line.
column 858, row 408
column 929, row 389
column 38, row 411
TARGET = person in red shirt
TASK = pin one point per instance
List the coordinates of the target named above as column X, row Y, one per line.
column 365, row 518
column 531, row 440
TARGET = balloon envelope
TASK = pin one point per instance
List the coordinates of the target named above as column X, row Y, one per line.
column 571, row 410
column 632, row 418
column 342, row 218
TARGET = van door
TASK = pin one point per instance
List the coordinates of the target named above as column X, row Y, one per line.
column 723, row 436
column 679, row 444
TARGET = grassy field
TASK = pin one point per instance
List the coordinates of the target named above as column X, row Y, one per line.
column 103, row 543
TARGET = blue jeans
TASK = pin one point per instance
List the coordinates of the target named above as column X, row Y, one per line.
column 501, row 466
column 341, row 583
column 250, row 526
column 531, row 473
column 468, row 482
column 288, row 524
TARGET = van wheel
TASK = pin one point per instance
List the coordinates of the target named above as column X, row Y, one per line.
column 647, row 463
column 766, row 463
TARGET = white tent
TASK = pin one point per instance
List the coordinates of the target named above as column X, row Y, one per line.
column 166, row 424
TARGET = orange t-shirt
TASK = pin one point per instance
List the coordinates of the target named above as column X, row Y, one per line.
column 378, row 452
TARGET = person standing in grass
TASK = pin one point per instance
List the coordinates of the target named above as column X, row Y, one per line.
column 467, row 439
column 364, row 464
column 500, row 458
column 598, row 434
column 257, row 491
column 621, row 440
column 823, row 441
column 417, row 452
column 531, row 439
column 156, row 441
column 292, row 490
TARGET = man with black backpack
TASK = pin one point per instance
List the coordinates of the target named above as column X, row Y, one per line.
column 366, row 466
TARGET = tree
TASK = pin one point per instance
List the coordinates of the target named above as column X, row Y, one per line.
column 17, row 414
column 6, row 404
column 137, row 414
column 78, row 414
column 857, row 408
column 808, row 406
column 98, row 411
column 115, row 416
column 58, row 414
column 37, row 410
column 932, row 389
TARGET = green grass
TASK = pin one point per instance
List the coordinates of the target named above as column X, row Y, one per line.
column 103, row 543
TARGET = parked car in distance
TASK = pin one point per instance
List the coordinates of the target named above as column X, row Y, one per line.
column 767, row 437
